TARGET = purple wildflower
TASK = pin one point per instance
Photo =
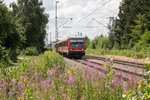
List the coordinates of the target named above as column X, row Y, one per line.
column 13, row 81
column 103, row 68
column 135, row 82
column 74, row 73
column 114, row 81
column 20, row 84
column 1, row 85
column 87, row 76
column 53, row 72
column 117, row 74
column 64, row 95
column 135, row 57
column 129, row 78
column 51, row 98
column 96, row 67
column 58, row 66
column 89, row 63
column 48, row 72
column 44, row 84
column 88, row 70
column 107, row 86
column 102, row 63
column 107, row 63
column 70, row 80
column 32, row 85
column 36, row 74
column 10, row 93
column 82, row 98
column 92, row 78
column 76, row 91
column 32, row 63
column 52, row 83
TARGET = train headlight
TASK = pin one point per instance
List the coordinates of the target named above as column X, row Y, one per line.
column 70, row 49
column 82, row 49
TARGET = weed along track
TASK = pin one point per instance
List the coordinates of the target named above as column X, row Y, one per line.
column 128, row 70
column 122, row 62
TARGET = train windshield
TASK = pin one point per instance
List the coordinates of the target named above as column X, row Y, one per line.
column 76, row 43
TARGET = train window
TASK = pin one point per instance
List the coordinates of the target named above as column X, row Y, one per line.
column 76, row 43
column 64, row 43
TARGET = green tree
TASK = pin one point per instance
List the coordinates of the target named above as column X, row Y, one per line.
column 137, row 30
column 128, row 11
column 87, row 42
column 100, row 42
column 31, row 15
column 11, row 32
column 145, row 38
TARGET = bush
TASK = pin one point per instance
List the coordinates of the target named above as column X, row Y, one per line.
column 40, row 64
column 3, row 53
column 47, row 48
column 30, row 51
column 128, row 53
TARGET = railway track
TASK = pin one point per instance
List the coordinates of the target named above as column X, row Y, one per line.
column 122, row 62
column 126, row 72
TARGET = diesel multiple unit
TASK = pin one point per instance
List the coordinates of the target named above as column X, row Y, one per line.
column 72, row 47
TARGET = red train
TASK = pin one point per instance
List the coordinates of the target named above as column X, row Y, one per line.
column 72, row 47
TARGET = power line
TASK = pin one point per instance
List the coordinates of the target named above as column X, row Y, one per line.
column 91, row 9
column 92, row 12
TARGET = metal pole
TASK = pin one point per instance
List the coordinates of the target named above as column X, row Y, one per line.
column 50, row 40
column 56, row 28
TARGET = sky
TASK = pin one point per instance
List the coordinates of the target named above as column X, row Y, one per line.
column 82, row 13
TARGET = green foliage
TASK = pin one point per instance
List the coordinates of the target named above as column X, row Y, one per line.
column 145, row 38
column 47, row 48
column 3, row 53
column 99, row 42
column 11, row 32
column 30, row 51
column 127, row 53
column 41, row 64
column 142, row 91
column 87, row 42
column 41, row 78
column 51, row 60
column 131, row 24
column 31, row 15
column 137, row 30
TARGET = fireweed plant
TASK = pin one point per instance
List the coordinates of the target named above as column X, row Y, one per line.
column 47, row 78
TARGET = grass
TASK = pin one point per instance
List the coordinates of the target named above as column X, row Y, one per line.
column 127, row 53
column 46, row 77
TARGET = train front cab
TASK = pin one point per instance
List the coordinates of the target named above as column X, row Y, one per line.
column 76, row 47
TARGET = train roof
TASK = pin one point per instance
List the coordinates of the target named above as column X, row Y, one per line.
column 74, row 37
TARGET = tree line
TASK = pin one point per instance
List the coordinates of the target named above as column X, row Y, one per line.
column 21, row 27
column 132, row 27
column 130, row 30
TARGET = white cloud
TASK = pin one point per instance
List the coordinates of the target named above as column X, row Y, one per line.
column 79, row 10
column 7, row 2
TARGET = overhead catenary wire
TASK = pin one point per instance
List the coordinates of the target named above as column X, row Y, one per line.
column 83, row 18
column 92, row 12
column 99, row 2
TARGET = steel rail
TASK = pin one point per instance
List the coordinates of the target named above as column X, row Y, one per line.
column 123, row 62
column 92, row 66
